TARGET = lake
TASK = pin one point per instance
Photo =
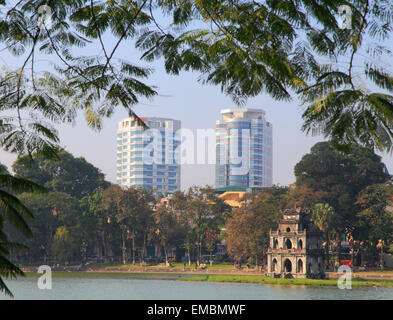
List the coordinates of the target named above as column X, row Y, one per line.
column 163, row 287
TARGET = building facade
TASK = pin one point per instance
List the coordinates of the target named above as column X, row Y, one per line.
column 147, row 157
column 244, row 150
column 296, row 248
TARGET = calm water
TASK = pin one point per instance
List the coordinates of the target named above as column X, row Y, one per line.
column 126, row 288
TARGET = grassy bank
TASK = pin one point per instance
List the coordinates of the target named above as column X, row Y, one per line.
column 356, row 282
column 257, row 279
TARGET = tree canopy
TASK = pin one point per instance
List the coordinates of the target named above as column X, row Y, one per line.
column 341, row 176
column 68, row 174
column 247, row 230
column 285, row 48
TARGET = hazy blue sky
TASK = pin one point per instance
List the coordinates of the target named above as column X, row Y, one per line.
column 196, row 106
column 183, row 98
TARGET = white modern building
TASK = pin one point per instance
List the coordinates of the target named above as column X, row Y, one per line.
column 146, row 157
column 244, row 150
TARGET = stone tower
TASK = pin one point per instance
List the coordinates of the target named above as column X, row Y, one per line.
column 296, row 248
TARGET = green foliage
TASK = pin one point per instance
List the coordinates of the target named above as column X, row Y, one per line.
column 14, row 213
column 27, row 128
column 353, row 199
column 74, row 176
column 323, row 216
column 63, row 246
column 202, row 211
column 132, row 210
column 375, row 214
column 169, row 232
column 341, row 176
column 51, row 211
column 279, row 47
column 94, row 84
column 247, row 230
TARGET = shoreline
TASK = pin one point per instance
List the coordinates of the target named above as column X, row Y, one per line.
column 256, row 277
column 265, row 280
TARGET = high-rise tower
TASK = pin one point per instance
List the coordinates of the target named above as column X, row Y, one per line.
column 146, row 158
column 243, row 150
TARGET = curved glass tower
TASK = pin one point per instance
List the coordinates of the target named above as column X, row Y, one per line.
column 244, row 150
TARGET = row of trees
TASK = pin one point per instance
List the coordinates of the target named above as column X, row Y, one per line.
column 120, row 222
column 348, row 194
column 82, row 214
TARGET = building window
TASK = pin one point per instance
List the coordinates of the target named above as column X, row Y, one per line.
column 300, row 266
column 274, row 265
column 287, row 266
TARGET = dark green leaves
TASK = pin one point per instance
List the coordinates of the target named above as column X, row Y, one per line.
column 13, row 211
column 277, row 47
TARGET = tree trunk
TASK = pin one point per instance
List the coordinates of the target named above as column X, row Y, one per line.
column 339, row 251
column 124, row 252
column 143, row 250
column 123, row 248
column 352, row 254
column 327, row 263
column 189, row 256
column 104, row 242
column 133, row 250
column 166, row 256
column 211, row 261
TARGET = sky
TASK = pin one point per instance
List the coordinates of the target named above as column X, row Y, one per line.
column 198, row 106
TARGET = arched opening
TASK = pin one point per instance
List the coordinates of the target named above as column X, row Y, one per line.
column 300, row 244
column 274, row 265
column 300, row 266
column 288, row 244
column 275, row 244
column 287, row 266
column 288, row 229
